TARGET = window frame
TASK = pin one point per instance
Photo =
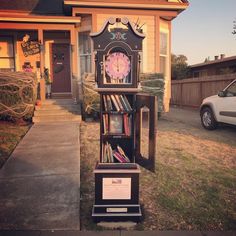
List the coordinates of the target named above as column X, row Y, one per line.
column 10, row 57
column 166, row 55
column 86, row 53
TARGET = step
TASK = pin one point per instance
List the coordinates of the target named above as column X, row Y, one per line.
column 46, row 118
column 58, row 102
column 70, row 107
column 56, row 112
column 61, row 95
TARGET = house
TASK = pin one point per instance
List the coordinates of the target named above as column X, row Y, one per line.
column 219, row 66
column 37, row 34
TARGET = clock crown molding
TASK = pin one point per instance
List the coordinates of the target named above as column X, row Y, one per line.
column 123, row 20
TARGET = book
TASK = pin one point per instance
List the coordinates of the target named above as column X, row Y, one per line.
column 104, row 156
column 115, row 102
column 111, row 153
column 117, row 97
column 123, row 103
column 109, row 103
column 119, row 157
column 122, row 153
column 127, row 103
column 105, row 123
column 126, row 124
column 105, row 102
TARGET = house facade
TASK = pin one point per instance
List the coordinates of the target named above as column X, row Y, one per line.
column 219, row 66
column 36, row 34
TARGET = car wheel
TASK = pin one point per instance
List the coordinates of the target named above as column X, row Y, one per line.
column 208, row 119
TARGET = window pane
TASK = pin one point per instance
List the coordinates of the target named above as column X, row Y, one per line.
column 232, row 89
column 6, row 63
column 6, row 47
column 85, row 53
column 84, row 43
column 163, row 43
column 163, row 62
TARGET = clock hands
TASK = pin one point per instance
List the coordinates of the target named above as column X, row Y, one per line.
column 117, row 64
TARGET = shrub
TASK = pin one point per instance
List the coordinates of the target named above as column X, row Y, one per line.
column 91, row 99
column 18, row 91
column 154, row 84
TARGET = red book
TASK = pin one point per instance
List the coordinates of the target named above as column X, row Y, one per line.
column 119, row 157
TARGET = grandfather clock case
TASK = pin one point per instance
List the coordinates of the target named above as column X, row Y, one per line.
column 118, row 48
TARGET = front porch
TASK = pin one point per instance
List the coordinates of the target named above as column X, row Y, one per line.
column 57, row 51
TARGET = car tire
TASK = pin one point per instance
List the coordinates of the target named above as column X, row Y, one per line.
column 207, row 118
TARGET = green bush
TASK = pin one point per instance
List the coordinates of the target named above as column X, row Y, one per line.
column 154, row 84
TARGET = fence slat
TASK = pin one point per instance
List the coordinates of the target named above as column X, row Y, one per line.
column 191, row 92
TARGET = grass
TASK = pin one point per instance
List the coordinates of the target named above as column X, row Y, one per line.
column 193, row 187
column 10, row 135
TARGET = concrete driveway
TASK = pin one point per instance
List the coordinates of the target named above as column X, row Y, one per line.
column 189, row 120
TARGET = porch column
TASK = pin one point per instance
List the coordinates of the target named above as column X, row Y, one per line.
column 42, row 64
column 75, row 71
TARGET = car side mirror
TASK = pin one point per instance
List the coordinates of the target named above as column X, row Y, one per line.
column 222, row 94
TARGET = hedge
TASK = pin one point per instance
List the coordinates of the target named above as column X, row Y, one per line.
column 18, row 92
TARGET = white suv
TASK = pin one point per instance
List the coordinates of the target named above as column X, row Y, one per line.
column 219, row 108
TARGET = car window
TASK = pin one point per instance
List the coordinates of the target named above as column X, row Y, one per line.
column 231, row 90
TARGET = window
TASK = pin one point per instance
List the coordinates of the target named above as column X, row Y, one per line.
column 163, row 52
column 231, row 90
column 85, row 53
column 7, row 58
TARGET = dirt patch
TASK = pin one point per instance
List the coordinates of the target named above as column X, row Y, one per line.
column 10, row 135
column 193, row 187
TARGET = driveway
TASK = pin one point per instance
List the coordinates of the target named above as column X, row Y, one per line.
column 188, row 120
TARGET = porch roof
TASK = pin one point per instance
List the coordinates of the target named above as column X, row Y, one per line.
column 154, row 5
column 17, row 17
column 41, row 7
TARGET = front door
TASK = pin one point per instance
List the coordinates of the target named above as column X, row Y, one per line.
column 61, row 68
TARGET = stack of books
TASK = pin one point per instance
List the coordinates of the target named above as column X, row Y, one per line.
column 110, row 156
column 116, row 102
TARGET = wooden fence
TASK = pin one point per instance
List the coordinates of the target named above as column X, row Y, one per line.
column 191, row 92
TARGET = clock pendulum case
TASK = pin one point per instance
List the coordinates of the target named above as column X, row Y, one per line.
column 117, row 49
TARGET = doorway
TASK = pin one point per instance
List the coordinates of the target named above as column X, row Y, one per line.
column 60, row 62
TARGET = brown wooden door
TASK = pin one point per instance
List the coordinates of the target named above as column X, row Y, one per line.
column 61, row 68
column 149, row 103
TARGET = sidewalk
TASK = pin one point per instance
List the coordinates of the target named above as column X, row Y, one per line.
column 40, row 183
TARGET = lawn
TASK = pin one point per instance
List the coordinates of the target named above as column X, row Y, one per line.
column 10, row 135
column 193, row 187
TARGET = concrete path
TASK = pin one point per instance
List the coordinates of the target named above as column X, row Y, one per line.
column 40, row 183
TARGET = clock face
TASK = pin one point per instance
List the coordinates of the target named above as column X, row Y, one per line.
column 117, row 67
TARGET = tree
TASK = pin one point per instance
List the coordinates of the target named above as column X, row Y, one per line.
column 179, row 67
column 234, row 28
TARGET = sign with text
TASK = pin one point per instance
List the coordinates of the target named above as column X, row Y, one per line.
column 116, row 188
column 30, row 47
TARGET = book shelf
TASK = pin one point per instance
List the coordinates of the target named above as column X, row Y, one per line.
column 117, row 131
column 117, row 57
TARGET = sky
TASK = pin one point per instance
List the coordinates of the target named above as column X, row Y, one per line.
column 205, row 30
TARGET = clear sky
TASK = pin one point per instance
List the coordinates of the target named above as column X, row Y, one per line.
column 205, row 30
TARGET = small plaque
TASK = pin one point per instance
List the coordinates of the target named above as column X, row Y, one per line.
column 116, row 188
column 110, row 210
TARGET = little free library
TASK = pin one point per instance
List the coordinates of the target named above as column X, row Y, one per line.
column 55, row 34
column 117, row 50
